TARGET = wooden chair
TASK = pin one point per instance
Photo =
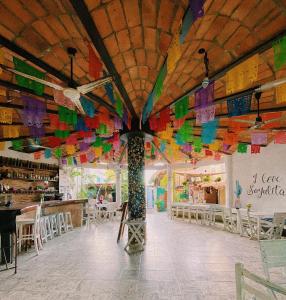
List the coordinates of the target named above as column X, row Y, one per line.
column 273, row 255
column 251, row 286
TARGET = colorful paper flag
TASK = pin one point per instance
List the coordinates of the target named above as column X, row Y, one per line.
column 259, row 138
column 87, row 106
column 83, row 158
column 6, row 115
column 279, row 53
column 242, row 148
column 205, row 114
column 54, row 142
column 10, row 131
column 58, row 152
column 95, row 65
column 239, row 106
column 255, row 149
column 204, row 96
column 17, row 145
column 37, row 155
column 280, row 137
column 70, row 149
column 174, row 52
column 181, row 107
column 48, row 153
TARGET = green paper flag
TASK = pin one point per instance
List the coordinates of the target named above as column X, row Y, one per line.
column 102, row 129
column 17, row 144
column 67, row 116
column 279, row 53
column 158, row 89
column 58, row 152
column 181, row 107
column 242, row 148
column 198, row 145
column 23, row 67
column 98, row 142
column 119, row 106
column 106, row 148
column 70, row 161
column 63, row 134
column 186, row 132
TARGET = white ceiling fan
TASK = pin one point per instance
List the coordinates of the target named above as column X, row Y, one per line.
column 70, row 92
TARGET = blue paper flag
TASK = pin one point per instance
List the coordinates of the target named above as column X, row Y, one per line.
column 187, row 23
column 209, row 131
column 109, row 91
column 87, row 106
column 48, row 153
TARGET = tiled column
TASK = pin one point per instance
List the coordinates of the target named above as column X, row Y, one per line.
column 118, row 186
column 169, row 188
column 229, row 181
column 136, row 189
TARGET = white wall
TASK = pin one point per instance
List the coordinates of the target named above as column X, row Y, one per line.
column 268, row 191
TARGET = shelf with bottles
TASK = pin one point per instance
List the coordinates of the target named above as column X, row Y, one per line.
column 27, row 176
column 26, row 164
column 29, row 192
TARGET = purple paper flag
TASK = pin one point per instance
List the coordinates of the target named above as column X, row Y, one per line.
column 205, row 114
column 197, row 8
column 258, row 138
column 204, row 96
column 83, row 146
column 187, row 148
column 90, row 156
column 118, row 123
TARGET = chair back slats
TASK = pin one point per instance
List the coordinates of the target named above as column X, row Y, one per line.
column 273, row 253
column 279, row 218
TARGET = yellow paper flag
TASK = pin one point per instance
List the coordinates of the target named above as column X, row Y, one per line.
column 10, row 131
column 215, row 146
column 2, row 146
column 242, row 76
column 174, row 53
column 98, row 151
column 281, row 93
column 6, row 115
column 70, row 149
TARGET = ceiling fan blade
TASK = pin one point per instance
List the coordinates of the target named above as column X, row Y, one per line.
column 77, row 103
column 270, row 85
column 275, row 120
column 47, row 83
column 86, row 88
column 244, row 121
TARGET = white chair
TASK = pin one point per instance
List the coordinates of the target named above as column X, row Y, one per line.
column 214, row 211
column 247, row 224
column 32, row 232
column 273, row 230
column 253, row 287
column 68, row 221
column 53, row 224
column 61, row 223
column 273, row 255
column 111, row 210
column 90, row 213
column 229, row 220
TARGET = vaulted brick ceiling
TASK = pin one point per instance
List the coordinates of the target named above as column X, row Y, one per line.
column 137, row 34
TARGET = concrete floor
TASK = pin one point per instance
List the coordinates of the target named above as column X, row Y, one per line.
column 180, row 261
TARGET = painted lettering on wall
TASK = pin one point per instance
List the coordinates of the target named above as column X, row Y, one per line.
column 266, row 185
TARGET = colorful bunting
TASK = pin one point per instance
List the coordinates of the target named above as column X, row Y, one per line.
column 209, row 131
column 23, row 67
column 37, row 155
column 242, row 76
column 208, row 152
column 10, row 131
column 117, row 123
column 230, row 138
column 242, row 148
column 37, row 132
column 80, row 125
column 87, row 106
column 174, row 52
column 197, row 9
column 109, row 91
column 71, row 140
column 148, row 107
column 181, row 107
column 186, row 132
column 205, row 114
column 106, row 147
column 255, row 149
column 259, row 138
column 54, row 142
column 48, row 153
column 215, row 146
column 34, row 112
column 90, row 155
column 17, row 145
column 68, row 116
column 279, row 53
column 217, row 156
column 239, row 106
column 62, row 133
column 83, row 146
column 198, row 145
column 204, row 96
column 83, row 158
column 61, row 99
column 70, row 161
column 98, row 151
column 158, row 88
column 281, row 93
column 95, row 65
column 153, row 123
column 164, row 117
column 102, row 130
column 70, row 149
column 118, row 105
column 187, row 148
column 186, row 25
column 58, row 152
column 6, row 115
column 280, row 137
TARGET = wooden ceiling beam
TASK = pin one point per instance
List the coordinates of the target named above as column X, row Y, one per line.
column 49, row 69
column 94, row 35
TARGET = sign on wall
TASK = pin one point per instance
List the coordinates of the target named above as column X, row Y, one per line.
column 267, row 185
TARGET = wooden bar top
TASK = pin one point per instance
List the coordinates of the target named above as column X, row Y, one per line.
column 24, row 207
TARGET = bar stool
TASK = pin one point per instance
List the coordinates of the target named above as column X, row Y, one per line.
column 53, row 224
column 68, row 221
column 43, row 230
column 61, row 223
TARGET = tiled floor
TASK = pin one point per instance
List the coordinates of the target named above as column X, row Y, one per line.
column 180, row 261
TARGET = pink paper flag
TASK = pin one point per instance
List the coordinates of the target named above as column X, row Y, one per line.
column 258, row 138
column 205, row 114
column 255, row 149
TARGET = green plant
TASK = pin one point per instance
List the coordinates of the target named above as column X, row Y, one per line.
column 218, row 179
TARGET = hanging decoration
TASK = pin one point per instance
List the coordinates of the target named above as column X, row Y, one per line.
column 63, row 134
column 36, row 132
column 83, row 146
column 279, row 48
column 242, row 76
column 209, row 131
column 158, row 88
column 23, row 67
column 87, row 106
column 102, row 129
column 205, row 114
column 280, row 137
column 98, row 152
column 80, row 125
column 70, row 149
column 215, row 146
column 204, row 96
column 83, row 158
column 90, row 139
column 165, row 117
column 72, row 139
column 148, row 107
column 17, row 145
column 198, row 145
column 91, row 123
column 186, row 132
column 68, row 116
column 33, row 112
column 181, row 107
column 255, row 149
column 242, row 148
column 58, row 153
column 61, row 99
column 95, row 65
column 70, row 161
column 208, row 152
column 239, row 106
column 54, row 142
column 10, row 131
column 217, row 156
column 197, row 9
column 230, row 138
column 153, row 123
column 162, row 146
column 119, row 106
column 187, row 148
column 90, row 156
column 106, row 147
column 37, row 155
column 186, row 25
column 259, row 138
column 281, row 93
column 109, row 91
column 48, row 153
column 117, row 123
column 167, row 134
column 6, row 115
column 174, row 52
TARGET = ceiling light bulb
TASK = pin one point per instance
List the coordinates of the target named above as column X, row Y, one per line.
column 205, row 82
